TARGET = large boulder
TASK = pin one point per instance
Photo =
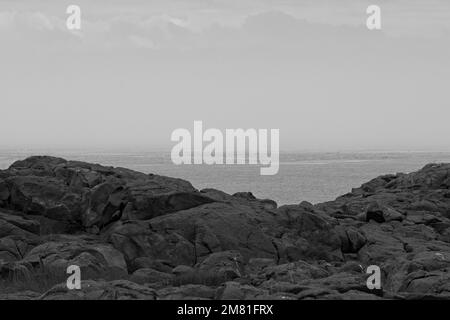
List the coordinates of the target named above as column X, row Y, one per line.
column 380, row 213
column 226, row 264
column 307, row 234
column 189, row 236
column 93, row 258
column 74, row 195
column 12, row 223
column 45, row 196
column 18, row 234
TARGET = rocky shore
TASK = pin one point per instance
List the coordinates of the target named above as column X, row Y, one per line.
column 144, row 236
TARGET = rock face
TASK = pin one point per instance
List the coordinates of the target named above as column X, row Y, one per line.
column 144, row 236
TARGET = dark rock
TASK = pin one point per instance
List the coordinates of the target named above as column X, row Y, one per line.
column 236, row 291
column 309, row 235
column 351, row 239
column 145, row 262
column 187, row 292
column 136, row 239
column 14, row 223
column 182, row 270
column 148, row 275
column 294, row 272
column 23, row 295
column 101, row 290
column 380, row 213
column 256, row 265
column 185, row 244
column 226, row 264
column 89, row 197
column 92, row 257
column 188, row 236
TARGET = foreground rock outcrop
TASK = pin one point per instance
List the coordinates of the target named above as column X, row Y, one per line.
column 139, row 236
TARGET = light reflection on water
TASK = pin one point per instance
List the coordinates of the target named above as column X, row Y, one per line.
column 314, row 177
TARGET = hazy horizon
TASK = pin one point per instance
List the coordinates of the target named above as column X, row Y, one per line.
column 41, row 150
column 313, row 177
column 136, row 71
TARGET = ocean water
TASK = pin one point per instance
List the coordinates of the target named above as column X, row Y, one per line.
column 314, row 177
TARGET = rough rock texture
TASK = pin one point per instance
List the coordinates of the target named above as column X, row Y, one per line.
column 101, row 290
column 143, row 236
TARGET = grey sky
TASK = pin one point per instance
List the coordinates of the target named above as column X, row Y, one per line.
column 140, row 69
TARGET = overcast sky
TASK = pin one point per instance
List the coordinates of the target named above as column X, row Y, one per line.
column 140, row 69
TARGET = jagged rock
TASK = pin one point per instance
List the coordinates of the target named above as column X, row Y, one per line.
column 309, row 235
column 381, row 244
column 101, row 290
column 23, row 295
column 188, row 236
column 146, row 206
column 89, row 197
column 227, row 264
column 432, row 176
column 236, row 291
column 36, row 165
column 215, row 194
column 92, row 257
column 148, row 275
column 188, row 292
column 285, row 287
column 340, row 282
column 351, row 239
column 4, row 193
column 422, row 273
column 351, row 266
column 294, row 272
column 14, row 248
column 18, row 235
column 349, row 295
column 266, row 203
column 245, row 195
column 12, row 224
column 137, row 239
column 10, row 270
column 182, row 270
column 423, row 217
column 145, row 262
column 320, row 287
column 47, row 196
column 380, row 213
column 433, row 283
column 106, row 203
column 119, row 223
column 256, row 265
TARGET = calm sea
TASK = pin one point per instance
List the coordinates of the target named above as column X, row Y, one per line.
column 314, row 177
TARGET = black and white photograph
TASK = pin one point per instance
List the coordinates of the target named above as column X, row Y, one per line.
column 236, row 157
